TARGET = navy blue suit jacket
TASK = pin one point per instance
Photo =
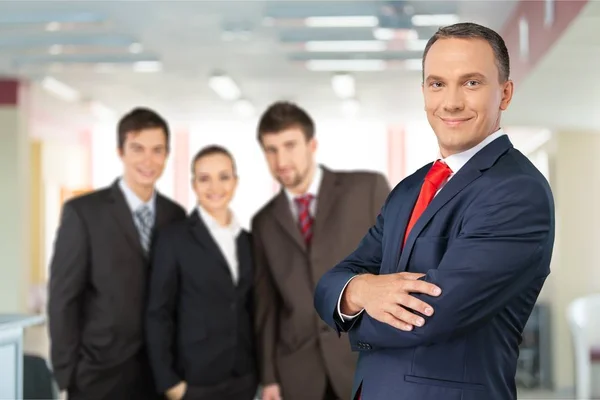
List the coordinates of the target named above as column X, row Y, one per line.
column 486, row 240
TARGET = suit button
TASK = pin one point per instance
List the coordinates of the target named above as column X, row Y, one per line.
column 232, row 306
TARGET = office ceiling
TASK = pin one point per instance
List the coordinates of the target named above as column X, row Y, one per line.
column 161, row 53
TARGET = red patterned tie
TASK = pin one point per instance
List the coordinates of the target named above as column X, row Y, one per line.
column 305, row 220
column 437, row 175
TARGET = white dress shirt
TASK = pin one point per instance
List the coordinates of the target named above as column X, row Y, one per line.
column 134, row 202
column 313, row 190
column 455, row 162
column 225, row 237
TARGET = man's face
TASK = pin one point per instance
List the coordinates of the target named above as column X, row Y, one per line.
column 144, row 155
column 289, row 155
column 463, row 94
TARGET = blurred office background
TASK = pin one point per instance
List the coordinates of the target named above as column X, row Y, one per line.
column 69, row 70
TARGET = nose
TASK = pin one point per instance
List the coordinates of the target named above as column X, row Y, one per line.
column 454, row 101
column 280, row 161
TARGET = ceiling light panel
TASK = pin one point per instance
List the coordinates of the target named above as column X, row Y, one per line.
column 343, row 85
column 225, row 87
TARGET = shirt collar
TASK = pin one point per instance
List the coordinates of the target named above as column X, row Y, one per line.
column 457, row 161
column 313, row 189
column 234, row 225
column 133, row 200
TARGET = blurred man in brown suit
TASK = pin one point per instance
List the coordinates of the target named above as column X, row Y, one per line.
column 318, row 217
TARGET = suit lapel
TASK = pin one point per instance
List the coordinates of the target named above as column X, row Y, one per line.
column 472, row 170
column 206, row 241
column 162, row 217
column 123, row 216
column 328, row 193
column 285, row 218
column 402, row 216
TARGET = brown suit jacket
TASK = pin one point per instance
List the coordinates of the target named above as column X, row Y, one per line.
column 295, row 348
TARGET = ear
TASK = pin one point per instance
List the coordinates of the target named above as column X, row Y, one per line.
column 507, row 94
column 313, row 144
column 120, row 152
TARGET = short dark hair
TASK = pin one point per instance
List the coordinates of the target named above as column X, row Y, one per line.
column 211, row 150
column 139, row 119
column 469, row 30
column 284, row 115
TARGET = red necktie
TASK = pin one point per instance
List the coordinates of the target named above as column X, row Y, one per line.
column 437, row 175
column 305, row 220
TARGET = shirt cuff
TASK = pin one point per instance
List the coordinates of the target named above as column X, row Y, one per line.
column 344, row 317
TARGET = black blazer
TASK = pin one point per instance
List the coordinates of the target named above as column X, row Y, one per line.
column 97, row 288
column 199, row 323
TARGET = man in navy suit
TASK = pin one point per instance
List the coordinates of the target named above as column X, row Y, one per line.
column 436, row 295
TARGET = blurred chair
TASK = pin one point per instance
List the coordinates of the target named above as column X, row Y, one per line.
column 38, row 382
column 583, row 315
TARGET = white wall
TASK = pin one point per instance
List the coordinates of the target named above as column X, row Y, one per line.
column 65, row 165
column 420, row 145
column 14, row 210
column 353, row 145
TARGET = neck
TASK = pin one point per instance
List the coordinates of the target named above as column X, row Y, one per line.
column 141, row 191
column 302, row 188
column 223, row 217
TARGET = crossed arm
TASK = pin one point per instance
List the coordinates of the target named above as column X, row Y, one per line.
column 503, row 242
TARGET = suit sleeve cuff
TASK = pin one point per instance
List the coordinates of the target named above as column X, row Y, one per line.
column 344, row 317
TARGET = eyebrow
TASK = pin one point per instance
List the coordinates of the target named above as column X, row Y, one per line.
column 465, row 77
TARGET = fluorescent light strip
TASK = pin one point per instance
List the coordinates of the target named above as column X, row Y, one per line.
column 345, row 45
column 224, row 87
column 342, row 22
column 346, row 65
column 387, row 34
column 434, row 19
column 343, row 85
column 60, row 89
column 147, row 66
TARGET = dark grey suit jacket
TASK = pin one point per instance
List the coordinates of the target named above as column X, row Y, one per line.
column 295, row 348
column 97, row 289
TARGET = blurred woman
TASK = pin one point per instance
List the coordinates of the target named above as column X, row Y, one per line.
column 199, row 318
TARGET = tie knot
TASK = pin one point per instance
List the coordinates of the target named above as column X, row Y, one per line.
column 439, row 172
column 304, row 200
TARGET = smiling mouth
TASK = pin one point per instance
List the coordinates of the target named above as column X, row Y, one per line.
column 215, row 196
column 146, row 174
column 454, row 121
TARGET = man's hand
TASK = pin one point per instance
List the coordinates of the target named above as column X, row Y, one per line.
column 271, row 392
column 177, row 392
column 384, row 297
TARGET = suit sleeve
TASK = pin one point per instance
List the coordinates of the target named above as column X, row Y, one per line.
column 504, row 246
column 160, row 313
column 266, row 313
column 68, row 279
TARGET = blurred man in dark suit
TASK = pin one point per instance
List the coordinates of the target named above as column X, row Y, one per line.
column 98, row 273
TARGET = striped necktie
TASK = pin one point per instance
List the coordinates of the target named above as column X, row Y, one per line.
column 305, row 220
column 144, row 221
